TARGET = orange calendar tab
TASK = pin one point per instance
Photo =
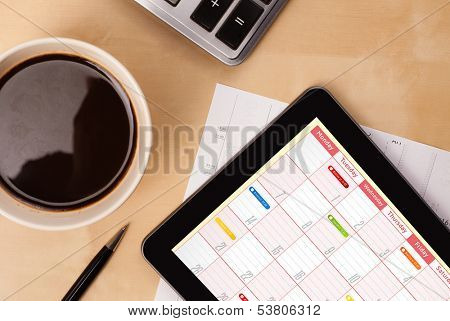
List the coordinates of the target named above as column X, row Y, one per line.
column 410, row 258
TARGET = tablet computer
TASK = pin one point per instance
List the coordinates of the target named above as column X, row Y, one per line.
column 309, row 210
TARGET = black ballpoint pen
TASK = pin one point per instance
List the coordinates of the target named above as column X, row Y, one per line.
column 93, row 268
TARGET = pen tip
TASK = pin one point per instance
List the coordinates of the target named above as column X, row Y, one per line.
column 115, row 240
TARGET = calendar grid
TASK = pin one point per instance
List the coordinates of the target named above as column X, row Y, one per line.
column 249, row 231
column 319, row 250
column 347, row 222
column 270, row 251
column 306, row 235
column 219, row 258
column 382, row 262
column 367, row 245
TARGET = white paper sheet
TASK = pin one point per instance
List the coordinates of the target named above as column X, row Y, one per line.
column 234, row 111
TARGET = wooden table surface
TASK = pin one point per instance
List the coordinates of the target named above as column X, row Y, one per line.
column 387, row 61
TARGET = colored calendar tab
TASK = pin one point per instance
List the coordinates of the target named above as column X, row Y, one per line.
column 324, row 140
column 338, row 176
column 418, row 246
column 338, row 226
column 242, row 297
column 396, row 221
column 225, row 228
column 348, row 167
column 351, row 295
column 259, row 197
column 410, row 258
column 333, row 237
column 370, row 192
column 245, row 295
column 249, row 208
column 404, row 263
column 333, row 182
column 222, row 236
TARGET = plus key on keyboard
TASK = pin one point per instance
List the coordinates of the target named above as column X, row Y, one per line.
column 239, row 23
column 209, row 12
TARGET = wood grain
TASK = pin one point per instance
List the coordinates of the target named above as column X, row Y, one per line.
column 387, row 61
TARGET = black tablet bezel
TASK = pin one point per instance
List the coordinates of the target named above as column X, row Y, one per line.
column 314, row 103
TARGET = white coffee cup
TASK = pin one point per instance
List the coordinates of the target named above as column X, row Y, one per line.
column 41, row 218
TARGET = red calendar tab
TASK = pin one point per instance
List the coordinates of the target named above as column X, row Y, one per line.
column 324, row 140
column 242, row 297
column 372, row 195
column 420, row 249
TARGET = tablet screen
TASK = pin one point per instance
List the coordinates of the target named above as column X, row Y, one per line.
column 311, row 225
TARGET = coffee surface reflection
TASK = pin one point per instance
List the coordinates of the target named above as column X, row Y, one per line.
column 67, row 131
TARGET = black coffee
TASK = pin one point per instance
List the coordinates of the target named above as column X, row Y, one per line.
column 66, row 131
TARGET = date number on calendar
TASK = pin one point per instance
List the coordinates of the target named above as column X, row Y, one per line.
column 288, row 309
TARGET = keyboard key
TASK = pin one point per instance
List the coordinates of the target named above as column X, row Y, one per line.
column 239, row 23
column 173, row 2
column 266, row 1
column 209, row 12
